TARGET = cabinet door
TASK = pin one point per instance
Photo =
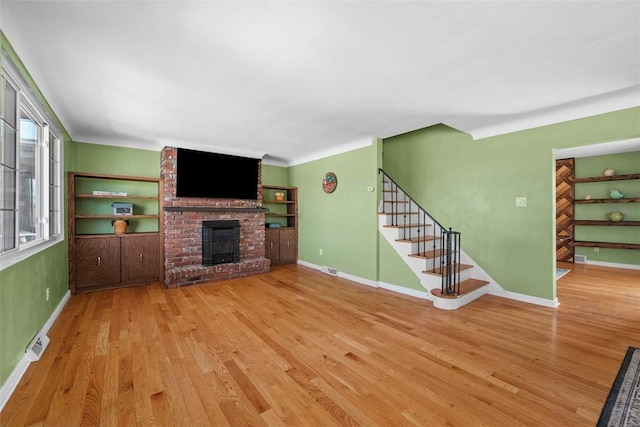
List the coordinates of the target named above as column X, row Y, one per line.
column 140, row 259
column 288, row 245
column 272, row 244
column 97, row 262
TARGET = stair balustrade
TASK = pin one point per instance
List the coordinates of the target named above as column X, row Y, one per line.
column 416, row 223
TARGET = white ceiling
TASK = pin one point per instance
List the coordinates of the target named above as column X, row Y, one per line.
column 295, row 81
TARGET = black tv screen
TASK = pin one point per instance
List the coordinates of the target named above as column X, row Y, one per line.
column 219, row 176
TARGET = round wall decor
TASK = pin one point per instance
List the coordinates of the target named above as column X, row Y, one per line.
column 329, row 182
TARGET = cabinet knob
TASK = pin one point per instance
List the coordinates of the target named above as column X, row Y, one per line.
column 140, row 257
column 288, row 246
column 271, row 244
column 99, row 262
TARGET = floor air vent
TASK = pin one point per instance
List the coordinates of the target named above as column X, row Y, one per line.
column 582, row 259
column 37, row 346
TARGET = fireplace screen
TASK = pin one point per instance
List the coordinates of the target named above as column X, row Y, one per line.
column 220, row 242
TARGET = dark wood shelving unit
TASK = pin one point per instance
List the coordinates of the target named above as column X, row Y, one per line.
column 281, row 243
column 606, row 223
column 99, row 260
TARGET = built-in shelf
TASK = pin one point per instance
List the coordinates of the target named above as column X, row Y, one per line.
column 116, row 216
column 623, row 200
column 607, row 245
column 95, row 196
column 211, row 209
column 604, row 222
column 281, row 220
column 120, row 236
column 607, row 178
column 99, row 258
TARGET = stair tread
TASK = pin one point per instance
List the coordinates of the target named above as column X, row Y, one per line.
column 437, row 272
column 419, row 239
column 466, row 287
column 428, row 254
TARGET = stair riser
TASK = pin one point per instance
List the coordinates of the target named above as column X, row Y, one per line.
column 419, row 265
column 454, row 304
column 404, row 233
column 416, row 248
column 402, row 219
column 464, row 275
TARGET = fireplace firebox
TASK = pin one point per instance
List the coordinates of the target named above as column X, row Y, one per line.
column 220, row 242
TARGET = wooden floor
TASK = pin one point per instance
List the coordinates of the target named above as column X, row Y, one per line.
column 297, row 347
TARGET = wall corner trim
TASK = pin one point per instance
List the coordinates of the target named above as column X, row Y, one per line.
column 14, row 378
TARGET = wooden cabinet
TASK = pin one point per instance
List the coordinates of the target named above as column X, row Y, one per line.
column 113, row 261
column 99, row 258
column 141, row 258
column 281, row 235
column 281, row 245
column 97, row 262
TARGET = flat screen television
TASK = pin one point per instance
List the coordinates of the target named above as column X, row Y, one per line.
column 216, row 176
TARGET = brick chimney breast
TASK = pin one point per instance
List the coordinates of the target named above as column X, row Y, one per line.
column 183, row 219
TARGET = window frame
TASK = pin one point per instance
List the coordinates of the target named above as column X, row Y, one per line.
column 27, row 101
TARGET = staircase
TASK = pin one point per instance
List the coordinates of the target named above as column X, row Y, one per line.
column 432, row 252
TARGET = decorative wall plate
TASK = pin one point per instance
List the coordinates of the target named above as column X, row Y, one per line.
column 329, row 182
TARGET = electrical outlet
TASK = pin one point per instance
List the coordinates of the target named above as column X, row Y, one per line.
column 596, row 249
column 47, row 294
column 320, row 252
column 521, row 202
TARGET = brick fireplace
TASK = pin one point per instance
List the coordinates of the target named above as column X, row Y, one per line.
column 183, row 224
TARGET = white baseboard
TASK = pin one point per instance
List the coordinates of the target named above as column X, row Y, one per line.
column 374, row 284
column 347, row 276
column 14, row 378
column 614, row 265
column 406, row 291
column 425, row 295
column 530, row 299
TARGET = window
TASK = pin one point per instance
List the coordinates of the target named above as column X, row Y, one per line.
column 30, row 171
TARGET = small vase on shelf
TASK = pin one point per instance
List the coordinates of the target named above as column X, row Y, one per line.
column 615, row 194
column 120, row 226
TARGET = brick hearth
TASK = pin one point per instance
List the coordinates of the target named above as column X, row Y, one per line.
column 183, row 218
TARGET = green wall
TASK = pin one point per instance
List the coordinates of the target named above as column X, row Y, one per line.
column 472, row 185
column 344, row 223
column 107, row 159
column 275, row 175
column 23, row 306
column 623, row 163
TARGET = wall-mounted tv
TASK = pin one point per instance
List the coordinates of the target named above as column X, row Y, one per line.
column 216, row 176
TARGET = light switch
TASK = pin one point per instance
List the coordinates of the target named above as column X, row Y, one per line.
column 521, row 202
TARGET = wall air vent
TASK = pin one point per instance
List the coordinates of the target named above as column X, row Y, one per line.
column 582, row 259
column 330, row 270
column 37, row 346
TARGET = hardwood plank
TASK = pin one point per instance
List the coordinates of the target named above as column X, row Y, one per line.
column 299, row 347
